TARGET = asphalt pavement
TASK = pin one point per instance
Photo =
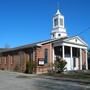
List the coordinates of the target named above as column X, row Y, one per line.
column 19, row 81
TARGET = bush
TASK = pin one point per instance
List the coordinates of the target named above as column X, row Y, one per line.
column 27, row 67
column 60, row 65
column 17, row 68
column 30, row 67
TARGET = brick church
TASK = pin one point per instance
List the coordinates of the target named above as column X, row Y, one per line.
column 44, row 53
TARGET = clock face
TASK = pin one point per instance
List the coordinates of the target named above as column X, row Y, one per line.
column 55, row 21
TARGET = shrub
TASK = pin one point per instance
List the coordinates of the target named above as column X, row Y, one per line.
column 17, row 68
column 30, row 67
column 60, row 65
column 27, row 67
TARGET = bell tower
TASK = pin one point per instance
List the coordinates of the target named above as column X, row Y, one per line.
column 58, row 30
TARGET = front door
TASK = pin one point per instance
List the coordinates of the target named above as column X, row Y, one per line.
column 75, row 64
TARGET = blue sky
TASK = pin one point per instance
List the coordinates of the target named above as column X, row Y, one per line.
column 27, row 21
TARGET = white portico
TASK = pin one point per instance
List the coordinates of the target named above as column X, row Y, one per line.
column 71, row 49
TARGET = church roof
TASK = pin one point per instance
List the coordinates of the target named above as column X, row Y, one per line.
column 38, row 44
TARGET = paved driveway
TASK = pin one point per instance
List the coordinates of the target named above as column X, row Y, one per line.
column 12, row 81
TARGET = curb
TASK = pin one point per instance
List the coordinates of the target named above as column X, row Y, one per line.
column 80, row 81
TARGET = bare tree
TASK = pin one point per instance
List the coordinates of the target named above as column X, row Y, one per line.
column 7, row 45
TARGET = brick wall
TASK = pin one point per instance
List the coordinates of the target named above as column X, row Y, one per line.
column 83, row 57
column 16, row 61
column 40, row 54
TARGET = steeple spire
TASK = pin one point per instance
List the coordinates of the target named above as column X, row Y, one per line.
column 58, row 12
column 59, row 30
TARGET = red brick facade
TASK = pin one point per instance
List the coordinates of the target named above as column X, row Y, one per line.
column 40, row 54
column 83, row 59
column 16, row 60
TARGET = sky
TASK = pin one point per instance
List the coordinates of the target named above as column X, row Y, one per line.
column 27, row 21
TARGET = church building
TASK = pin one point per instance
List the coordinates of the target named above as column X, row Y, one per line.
column 71, row 49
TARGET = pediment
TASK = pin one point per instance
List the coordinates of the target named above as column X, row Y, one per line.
column 76, row 40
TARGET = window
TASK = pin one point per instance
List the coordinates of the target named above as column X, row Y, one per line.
column 61, row 21
column 53, row 35
column 45, row 56
column 59, row 34
column 75, row 52
column 58, row 50
column 55, row 22
column 74, row 62
column 67, row 51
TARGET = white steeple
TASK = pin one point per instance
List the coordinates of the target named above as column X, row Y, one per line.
column 58, row 12
column 59, row 30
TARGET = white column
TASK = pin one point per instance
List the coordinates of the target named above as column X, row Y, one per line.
column 71, row 60
column 80, row 59
column 63, row 52
column 86, row 61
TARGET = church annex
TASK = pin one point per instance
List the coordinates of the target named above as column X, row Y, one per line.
column 44, row 53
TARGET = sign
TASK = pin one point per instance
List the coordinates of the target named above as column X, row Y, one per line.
column 41, row 61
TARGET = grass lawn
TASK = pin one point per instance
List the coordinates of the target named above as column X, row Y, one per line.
column 73, row 75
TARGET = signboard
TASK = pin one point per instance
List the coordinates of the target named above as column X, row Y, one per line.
column 40, row 61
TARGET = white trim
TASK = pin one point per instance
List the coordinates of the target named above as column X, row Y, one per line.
column 71, row 59
column 39, row 44
column 73, row 45
column 64, row 40
column 69, row 44
column 77, row 38
column 82, row 40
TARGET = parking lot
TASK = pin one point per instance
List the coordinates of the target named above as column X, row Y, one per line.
column 14, row 81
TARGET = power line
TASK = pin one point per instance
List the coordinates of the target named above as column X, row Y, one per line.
column 83, row 31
